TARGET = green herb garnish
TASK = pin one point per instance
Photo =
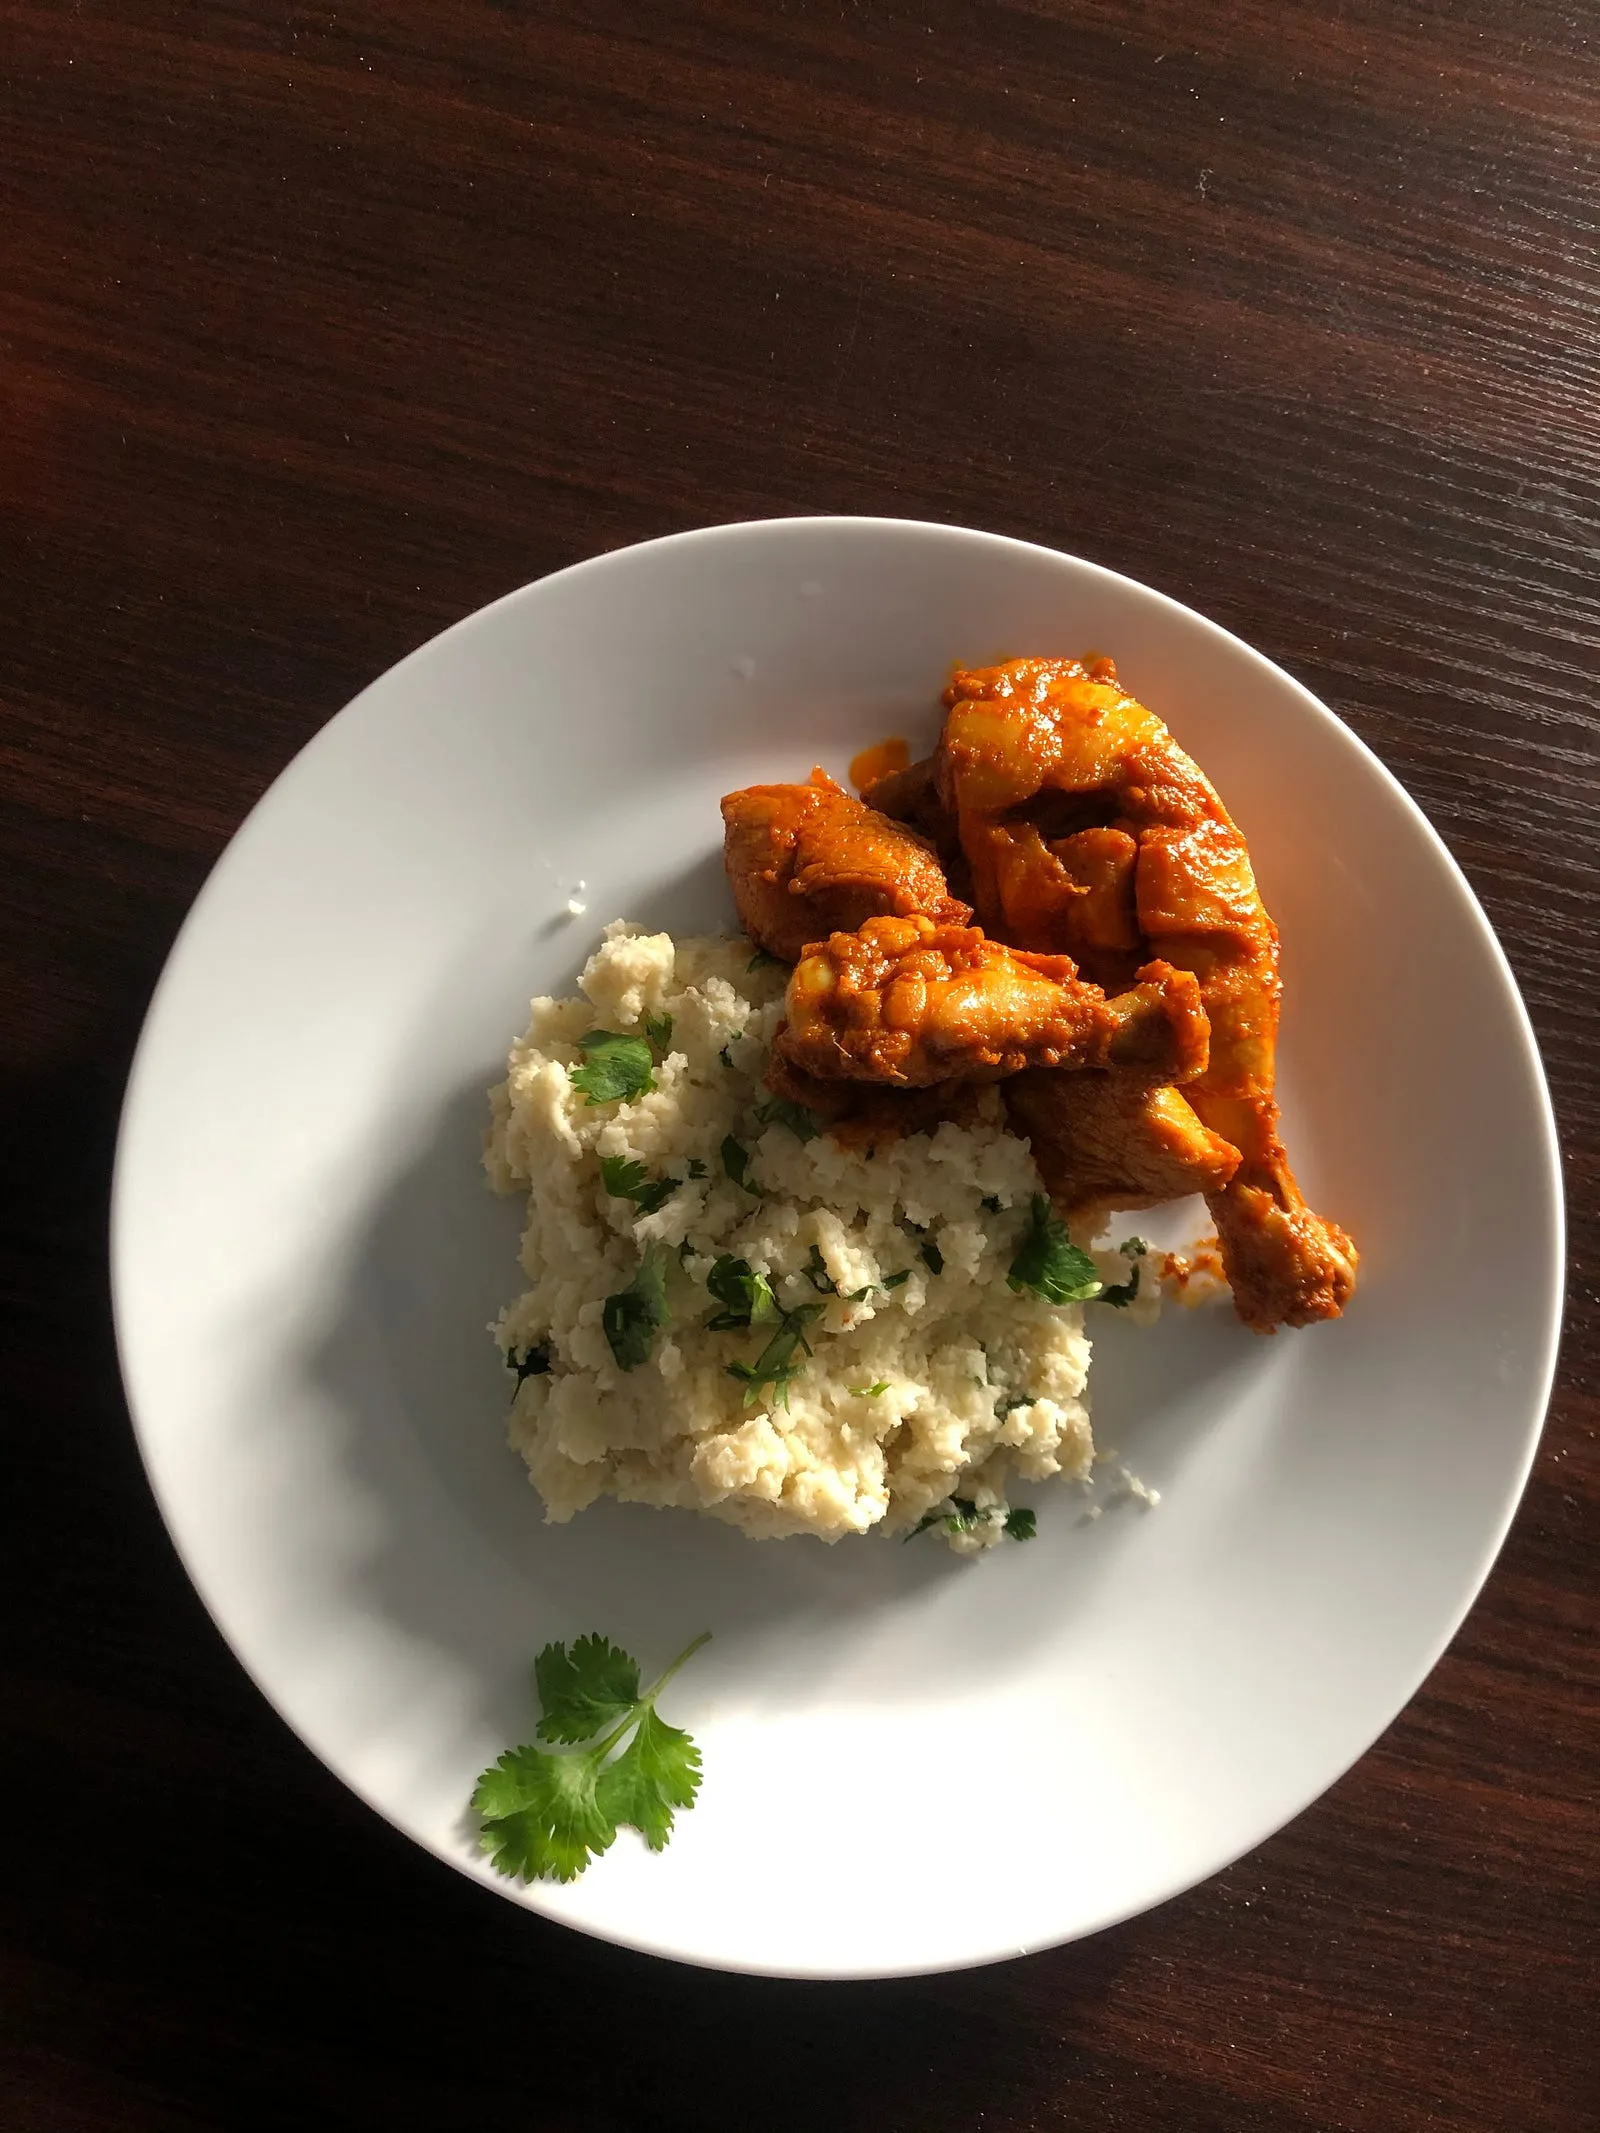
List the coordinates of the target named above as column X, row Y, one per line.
column 776, row 1366
column 546, row 1816
column 736, row 1163
column 961, row 1517
column 658, row 1028
column 746, row 1297
column 964, row 1516
column 628, row 1180
column 871, row 1392
column 895, row 1281
column 762, row 961
column 1125, row 1292
column 816, row 1272
column 697, row 1169
column 1049, row 1265
column 932, row 1257
column 633, row 1316
column 990, row 1202
column 614, row 1068
column 781, row 1112
column 532, row 1363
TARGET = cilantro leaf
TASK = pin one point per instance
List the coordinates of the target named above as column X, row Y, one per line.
column 736, row 1163
column 1022, row 1524
column 816, row 1272
column 658, row 1771
column 746, row 1297
column 625, row 1179
column 633, row 1316
column 780, row 1111
column 1048, row 1264
column 541, row 1820
column 658, row 1028
column 775, row 1367
column 614, row 1068
column 534, row 1362
column 1125, row 1292
column 545, row 1816
column 961, row 1517
column 583, row 1687
column 697, row 1169
column 932, row 1257
column 870, row 1392
column 895, row 1281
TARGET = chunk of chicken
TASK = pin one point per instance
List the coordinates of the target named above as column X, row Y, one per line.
column 805, row 861
column 909, row 1002
column 1089, row 832
column 1104, row 1141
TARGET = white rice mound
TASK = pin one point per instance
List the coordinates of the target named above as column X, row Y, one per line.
column 980, row 1386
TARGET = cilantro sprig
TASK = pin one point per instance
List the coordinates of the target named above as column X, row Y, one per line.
column 1048, row 1264
column 782, row 1111
column 963, row 1516
column 736, row 1164
column 533, row 1362
column 632, row 1318
column 546, row 1816
column 745, row 1296
column 1123, row 1293
column 615, row 1069
column 626, row 1179
column 776, row 1367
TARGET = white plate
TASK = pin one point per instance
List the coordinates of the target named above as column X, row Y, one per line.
column 911, row 1762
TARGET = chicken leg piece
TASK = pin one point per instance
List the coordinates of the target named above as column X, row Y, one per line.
column 908, row 1002
column 808, row 860
column 1089, row 832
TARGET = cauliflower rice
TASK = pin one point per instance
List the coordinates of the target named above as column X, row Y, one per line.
column 938, row 1386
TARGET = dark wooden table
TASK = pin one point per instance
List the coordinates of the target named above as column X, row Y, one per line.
column 320, row 326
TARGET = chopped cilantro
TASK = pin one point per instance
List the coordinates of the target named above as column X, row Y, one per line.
column 697, row 1169
column 633, row 1316
column 775, row 1366
column 546, row 1816
column 932, row 1257
column 871, row 1392
column 990, row 1202
column 614, row 1068
column 532, row 1363
column 781, row 1112
column 1008, row 1403
column 627, row 1180
column 895, row 1281
column 736, row 1163
column 963, row 1516
column 816, row 1272
column 1048, row 1264
column 658, row 1028
column 746, row 1297
column 725, row 1056
column 1125, row 1292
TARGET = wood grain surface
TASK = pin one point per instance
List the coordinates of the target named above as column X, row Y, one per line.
column 320, row 326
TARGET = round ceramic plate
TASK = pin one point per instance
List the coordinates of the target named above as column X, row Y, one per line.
column 912, row 1761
